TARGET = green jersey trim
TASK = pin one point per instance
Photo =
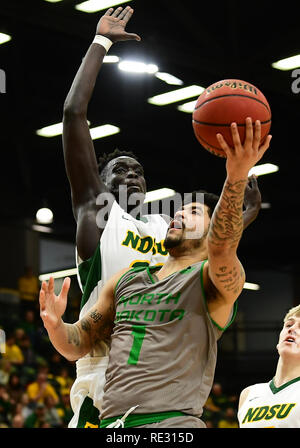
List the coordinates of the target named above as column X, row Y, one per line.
column 205, row 301
column 90, row 274
column 275, row 389
column 135, row 270
column 141, row 419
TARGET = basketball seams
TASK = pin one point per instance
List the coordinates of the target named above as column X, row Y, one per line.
column 219, row 152
column 226, row 124
column 233, row 94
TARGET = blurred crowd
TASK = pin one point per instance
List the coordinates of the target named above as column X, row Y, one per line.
column 35, row 380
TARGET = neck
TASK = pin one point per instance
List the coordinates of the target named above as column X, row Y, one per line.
column 286, row 371
column 176, row 262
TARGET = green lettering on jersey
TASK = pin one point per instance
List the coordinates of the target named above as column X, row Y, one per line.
column 177, row 314
column 145, row 244
column 175, row 298
column 131, row 239
column 284, row 410
column 261, row 413
column 250, row 414
column 150, row 315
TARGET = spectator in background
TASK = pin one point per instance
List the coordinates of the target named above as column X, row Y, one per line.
column 51, row 413
column 37, row 418
column 29, row 324
column 64, row 407
column 229, row 420
column 12, row 352
column 30, row 360
column 63, row 379
column 28, row 286
column 5, row 371
column 5, row 405
column 17, row 421
column 26, row 409
column 14, row 388
column 40, row 389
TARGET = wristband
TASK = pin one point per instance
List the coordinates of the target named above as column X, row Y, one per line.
column 102, row 40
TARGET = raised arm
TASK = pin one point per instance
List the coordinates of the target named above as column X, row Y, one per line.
column 76, row 340
column 252, row 201
column 80, row 159
column 224, row 273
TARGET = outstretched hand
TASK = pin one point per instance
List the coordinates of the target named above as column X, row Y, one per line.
column 52, row 307
column 242, row 157
column 112, row 25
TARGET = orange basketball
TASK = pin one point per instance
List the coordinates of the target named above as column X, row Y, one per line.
column 224, row 102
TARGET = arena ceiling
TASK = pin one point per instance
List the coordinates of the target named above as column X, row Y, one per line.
column 199, row 43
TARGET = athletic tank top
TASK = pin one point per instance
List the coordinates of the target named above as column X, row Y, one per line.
column 124, row 242
column 164, row 344
column 268, row 406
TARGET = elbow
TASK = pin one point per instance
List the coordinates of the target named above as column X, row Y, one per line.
column 73, row 110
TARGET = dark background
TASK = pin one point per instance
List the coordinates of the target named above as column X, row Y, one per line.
column 200, row 43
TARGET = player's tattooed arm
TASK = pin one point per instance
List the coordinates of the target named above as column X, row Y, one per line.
column 226, row 225
column 97, row 328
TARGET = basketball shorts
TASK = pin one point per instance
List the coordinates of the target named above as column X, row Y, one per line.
column 87, row 392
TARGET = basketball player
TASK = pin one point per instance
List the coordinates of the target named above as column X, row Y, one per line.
column 166, row 320
column 276, row 404
column 121, row 241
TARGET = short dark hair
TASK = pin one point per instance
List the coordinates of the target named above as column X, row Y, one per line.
column 210, row 200
column 106, row 158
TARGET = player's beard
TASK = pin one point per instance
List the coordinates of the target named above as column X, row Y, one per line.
column 179, row 242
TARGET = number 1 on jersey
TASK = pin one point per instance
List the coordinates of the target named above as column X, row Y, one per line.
column 138, row 332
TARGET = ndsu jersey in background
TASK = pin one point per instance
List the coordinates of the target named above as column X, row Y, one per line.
column 125, row 242
column 268, row 406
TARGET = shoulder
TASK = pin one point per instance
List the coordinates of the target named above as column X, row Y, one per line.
column 243, row 396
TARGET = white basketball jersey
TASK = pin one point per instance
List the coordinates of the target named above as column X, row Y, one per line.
column 125, row 242
column 268, row 406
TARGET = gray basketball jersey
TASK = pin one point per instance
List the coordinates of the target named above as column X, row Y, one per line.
column 164, row 344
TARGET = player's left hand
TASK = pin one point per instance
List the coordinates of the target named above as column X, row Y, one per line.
column 112, row 24
column 52, row 307
column 241, row 158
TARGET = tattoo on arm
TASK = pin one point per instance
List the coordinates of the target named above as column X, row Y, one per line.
column 227, row 221
column 73, row 335
column 230, row 278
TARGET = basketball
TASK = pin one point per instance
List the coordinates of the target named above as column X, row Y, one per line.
column 224, row 102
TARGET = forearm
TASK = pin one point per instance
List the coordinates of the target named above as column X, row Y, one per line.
column 226, row 226
column 69, row 341
column 249, row 215
column 83, row 85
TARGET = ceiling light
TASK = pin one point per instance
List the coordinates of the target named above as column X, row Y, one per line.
column 176, row 95
column 4, row 38
column 98, row 5
column 110, row 59
column 52, row 130
column 53, row 1
column 58, row 274
column 187, row 107
column 252, row 286
column 156, row 195
column 137, row 67
column 103, row 131
column 287, row 63
column 265, row 205
column 265, row 168
column 169, row 79
column 44, row 216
